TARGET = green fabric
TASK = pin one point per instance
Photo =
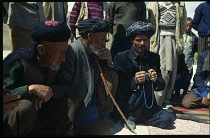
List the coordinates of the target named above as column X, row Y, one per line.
column 16, row 81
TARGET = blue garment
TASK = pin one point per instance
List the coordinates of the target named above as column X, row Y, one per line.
column 203, row 94
column 183, row 83
column 91, row 113
column 202, row 18
column 201, row 77
column 155, row 117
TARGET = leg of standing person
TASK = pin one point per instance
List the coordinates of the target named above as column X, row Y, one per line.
column 19, row 37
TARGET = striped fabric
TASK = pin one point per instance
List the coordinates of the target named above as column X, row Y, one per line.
column 95, row 11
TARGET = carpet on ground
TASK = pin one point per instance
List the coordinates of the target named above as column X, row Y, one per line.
column 201, row 115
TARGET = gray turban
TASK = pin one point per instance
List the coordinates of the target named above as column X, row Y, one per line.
column 93, row 25
column 141, row 28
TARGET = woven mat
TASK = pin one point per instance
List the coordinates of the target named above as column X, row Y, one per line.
column 201, row 115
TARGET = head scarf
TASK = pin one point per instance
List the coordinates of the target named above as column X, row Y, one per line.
column 51, row 31
column 140, row 27
column 93, row 25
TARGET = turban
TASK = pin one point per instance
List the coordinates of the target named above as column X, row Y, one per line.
column 93, row 25
column 141, row 28
column 51, row 31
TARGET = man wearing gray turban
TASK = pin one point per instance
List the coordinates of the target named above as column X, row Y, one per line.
column 44, row 89
column 82, row 59
column 139, row 76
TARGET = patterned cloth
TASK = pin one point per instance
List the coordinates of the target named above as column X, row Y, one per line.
column 93, row 25
column 167, row 14
column 95, row 11
column 141, row 28
column 52, row 31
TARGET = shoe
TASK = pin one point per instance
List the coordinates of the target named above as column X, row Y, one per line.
column 131, row 123
column 166, row 104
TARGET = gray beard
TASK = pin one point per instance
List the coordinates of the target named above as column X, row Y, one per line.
column 93, row 49
column 54, row 68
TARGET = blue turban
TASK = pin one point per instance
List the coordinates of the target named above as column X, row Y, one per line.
column 51, row 31
column 93, row 25
column 141, row 28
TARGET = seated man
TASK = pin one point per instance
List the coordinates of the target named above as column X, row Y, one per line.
column 81, row 63
column 198, row 97
column 139, row 75
column 35, row 74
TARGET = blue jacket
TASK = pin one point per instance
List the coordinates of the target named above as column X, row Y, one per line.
column 200, row 78
column 202, row 18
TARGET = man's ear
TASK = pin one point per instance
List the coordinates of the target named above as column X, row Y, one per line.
column 90, row 37
column 40, row 49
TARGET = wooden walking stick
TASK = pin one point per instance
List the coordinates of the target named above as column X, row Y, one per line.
column 108, row 92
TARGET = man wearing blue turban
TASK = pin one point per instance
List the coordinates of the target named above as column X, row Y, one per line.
column 139, row 76
column 35, row 74
column 82, row 58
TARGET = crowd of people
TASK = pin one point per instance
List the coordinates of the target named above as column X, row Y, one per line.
column 60, row 76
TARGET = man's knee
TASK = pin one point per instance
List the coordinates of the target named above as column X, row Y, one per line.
column 166, row 120
column 191, row 100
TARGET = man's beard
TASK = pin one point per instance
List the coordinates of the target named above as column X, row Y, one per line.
column 54, row 68
column 93, row 49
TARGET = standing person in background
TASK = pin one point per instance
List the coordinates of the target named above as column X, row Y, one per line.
column 170, row 21
column 21, row 17
column 201, row 23
column 200, row 94
column 85, row 10
column 55, row 11
column 190, row 45
column 121, row 15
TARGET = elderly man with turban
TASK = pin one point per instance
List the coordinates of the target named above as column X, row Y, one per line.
column 139, row 76
column 82, row 58
column 45, row 91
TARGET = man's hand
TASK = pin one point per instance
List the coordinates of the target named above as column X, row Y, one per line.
column 104, row 54
column 205, row 102
column 140, row 77
column 152, row 75
column 37, row 102
column 8, row 103
column 41, row 91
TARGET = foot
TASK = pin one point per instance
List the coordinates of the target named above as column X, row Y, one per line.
column 131, row 124
column 166, row 104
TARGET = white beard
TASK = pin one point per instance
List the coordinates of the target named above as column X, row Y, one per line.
column 93, row 49
column 54, row 68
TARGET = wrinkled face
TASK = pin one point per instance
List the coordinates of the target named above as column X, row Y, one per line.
column 53, row 53
column 189, row 26
column 99, row 40
column 140, row 43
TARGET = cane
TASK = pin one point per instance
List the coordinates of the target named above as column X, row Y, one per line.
column 112, row 98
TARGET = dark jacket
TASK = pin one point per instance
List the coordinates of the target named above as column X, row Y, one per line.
column 202, row 18
column 201, row 77
column 126, row 66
